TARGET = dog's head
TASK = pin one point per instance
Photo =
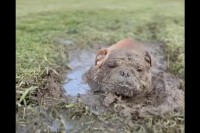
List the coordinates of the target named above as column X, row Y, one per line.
column 122, row 71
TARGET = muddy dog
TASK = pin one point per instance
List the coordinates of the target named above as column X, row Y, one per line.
column 126, row 69
column 123, row 68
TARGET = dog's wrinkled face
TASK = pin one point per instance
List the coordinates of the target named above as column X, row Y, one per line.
column 124, row 72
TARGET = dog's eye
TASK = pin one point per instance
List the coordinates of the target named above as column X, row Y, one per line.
column 139, row 70
column 111, row 64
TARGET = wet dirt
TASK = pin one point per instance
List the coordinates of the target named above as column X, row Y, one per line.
column 166, row 95
column 80, row 62
column 82, row 59
column 75, row 86
column 98, row 111
column 52, row 92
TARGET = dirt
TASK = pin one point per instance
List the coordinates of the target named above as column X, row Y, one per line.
column 73, row 107
column 53, row 92
column 166, row 95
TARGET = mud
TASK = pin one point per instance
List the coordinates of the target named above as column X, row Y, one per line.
column 52, row 93
column 80, row 62
column 74, row 108
column 166, row 95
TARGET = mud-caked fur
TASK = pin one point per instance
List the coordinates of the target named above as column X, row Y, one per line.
column 124, row 69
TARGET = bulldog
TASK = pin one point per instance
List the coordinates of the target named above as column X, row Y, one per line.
column 123, row 69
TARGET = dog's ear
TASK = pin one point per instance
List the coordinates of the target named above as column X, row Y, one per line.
column 100, row 56
column 148, row 58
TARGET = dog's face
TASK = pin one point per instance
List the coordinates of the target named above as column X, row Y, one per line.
column 124, row 72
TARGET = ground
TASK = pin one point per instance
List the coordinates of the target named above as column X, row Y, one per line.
column 42, row 59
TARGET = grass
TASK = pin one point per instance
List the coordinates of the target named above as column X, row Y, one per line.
column 41, row 24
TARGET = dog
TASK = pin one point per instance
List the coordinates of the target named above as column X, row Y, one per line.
column 123, row 68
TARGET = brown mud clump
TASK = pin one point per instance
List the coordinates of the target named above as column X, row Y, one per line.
column 125, row 73
column 52, row 93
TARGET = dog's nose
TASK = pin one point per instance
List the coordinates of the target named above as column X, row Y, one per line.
column 124, row 73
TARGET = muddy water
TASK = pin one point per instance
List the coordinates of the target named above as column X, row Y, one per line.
column 82, row 59
column 80, row 62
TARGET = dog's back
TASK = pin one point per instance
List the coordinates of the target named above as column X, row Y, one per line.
column 128, row 44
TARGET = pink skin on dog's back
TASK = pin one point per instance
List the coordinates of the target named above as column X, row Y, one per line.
column 124, row 44
column 127, row 43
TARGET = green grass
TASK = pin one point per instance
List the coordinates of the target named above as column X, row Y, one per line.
column 41, row 23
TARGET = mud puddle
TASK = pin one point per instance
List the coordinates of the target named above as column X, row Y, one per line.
column 80, row 62
column 82, row 59
column 42, row 120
